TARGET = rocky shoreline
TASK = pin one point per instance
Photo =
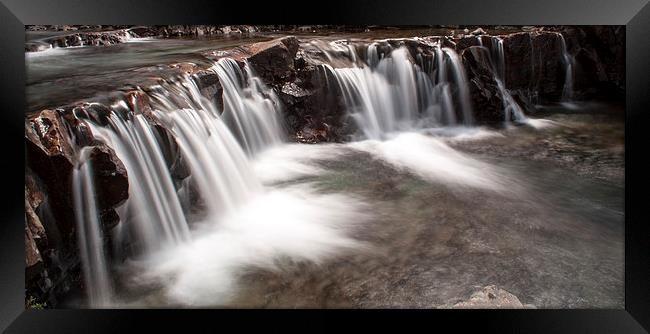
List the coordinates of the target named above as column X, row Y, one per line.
column 534, row 74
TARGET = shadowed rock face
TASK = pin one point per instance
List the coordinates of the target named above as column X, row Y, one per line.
column 599, row 52
column 52, row 139
column 273, row 60
column 483, row 87
column 534, row 64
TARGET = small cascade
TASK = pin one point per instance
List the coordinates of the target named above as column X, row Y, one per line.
column 89, row 234
column 219, row 167
column 460, row 79
column 567, row 91
column 251, row 110
column 394, row 92
column 498, row 56
column 511, row 109
column 215, row 147
column 153, row 213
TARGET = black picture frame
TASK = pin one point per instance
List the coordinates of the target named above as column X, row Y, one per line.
column 634, row 14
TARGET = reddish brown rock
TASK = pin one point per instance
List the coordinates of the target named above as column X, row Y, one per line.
column 273, row 61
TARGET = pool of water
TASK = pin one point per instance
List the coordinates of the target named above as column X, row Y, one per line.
column 542, row 223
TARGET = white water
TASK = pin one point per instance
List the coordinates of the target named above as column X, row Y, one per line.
column 498, row 56
column 393, row 93
column 89, row 234
column 197, row 258
column 511, row 109
column 219, row 167
column 433, row 160
column 239, row 164
column 567, row 90
column 153, row 211
column 251, row 110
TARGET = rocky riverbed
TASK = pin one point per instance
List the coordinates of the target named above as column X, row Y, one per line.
column 542, row 173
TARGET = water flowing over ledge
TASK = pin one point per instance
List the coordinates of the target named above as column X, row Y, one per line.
column 178, row 181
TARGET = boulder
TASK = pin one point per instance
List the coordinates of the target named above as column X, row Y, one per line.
column 52, row 139
column 313, row 112
column 273, row 61
column 111, row 182
column 51, row 156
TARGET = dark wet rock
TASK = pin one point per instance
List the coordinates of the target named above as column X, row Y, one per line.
column 550, row 70
column 273, row 61
column 599, row 53
column 111, row 181
column 313, row 111
column 34, row 225
column 465, row 42
column 534, row 63
column 523, row 99
column 51, row 157
column 210, row 86
column 484, row 91
column 33, row 259
column 52, row 140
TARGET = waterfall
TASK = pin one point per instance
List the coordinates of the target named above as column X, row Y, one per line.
column 498, row 56
column 215, row 146
column 394, row 93
column 495, row 55
column 567, row 90
column 461, row 83
column 154, row 212
column 89, row 234
column 219, row 167
column 251, row 109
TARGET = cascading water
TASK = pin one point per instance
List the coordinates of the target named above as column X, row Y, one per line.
column 393, row 93
column 89, row 234
column 498, row 56
column 153, row 212
column 216, row 155
column 219, row 167
column 567, row 91
column 251, row 110
column 495, row 55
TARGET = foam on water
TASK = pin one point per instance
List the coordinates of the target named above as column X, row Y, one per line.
column 433, row 160
column 288, row 224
